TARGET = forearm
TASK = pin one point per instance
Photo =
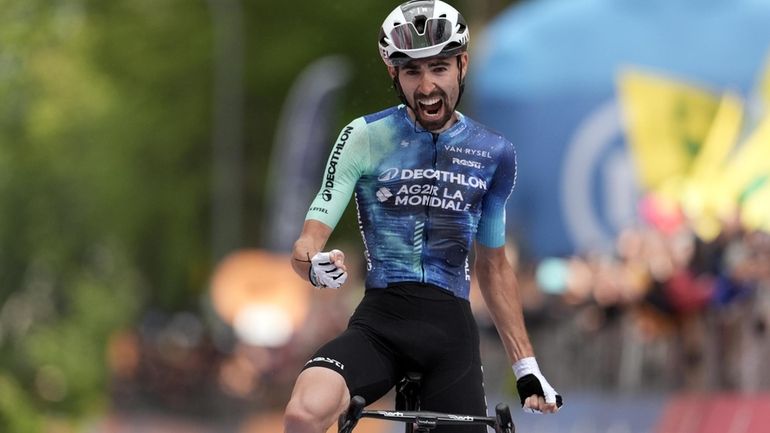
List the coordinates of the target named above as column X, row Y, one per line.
column 312, row 240
column 501, row 294
column 301, row 254
column 500, row 291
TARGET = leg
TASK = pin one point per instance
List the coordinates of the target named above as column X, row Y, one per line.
column 348, row 363
column 319, row 396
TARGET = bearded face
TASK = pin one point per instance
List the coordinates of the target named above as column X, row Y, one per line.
column 432, row 88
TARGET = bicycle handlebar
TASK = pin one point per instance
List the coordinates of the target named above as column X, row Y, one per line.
column 428, row 418
column 502, row 422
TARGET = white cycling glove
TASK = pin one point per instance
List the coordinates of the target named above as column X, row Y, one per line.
column 324, row 273
column 530, row 381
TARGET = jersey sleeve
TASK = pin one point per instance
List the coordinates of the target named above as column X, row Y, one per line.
column 491, row 228
column 344, row 167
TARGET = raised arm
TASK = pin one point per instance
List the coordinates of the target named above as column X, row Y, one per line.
column 345, row 165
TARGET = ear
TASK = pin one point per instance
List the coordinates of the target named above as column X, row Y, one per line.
column 392, row 71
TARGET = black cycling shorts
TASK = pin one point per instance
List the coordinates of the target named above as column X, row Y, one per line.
column 411, row 327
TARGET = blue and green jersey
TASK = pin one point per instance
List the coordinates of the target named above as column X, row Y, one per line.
column 421, row 197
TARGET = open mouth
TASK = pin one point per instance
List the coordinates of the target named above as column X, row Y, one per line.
column 431, row 107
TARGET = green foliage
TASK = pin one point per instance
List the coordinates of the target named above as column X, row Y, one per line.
column 157, row 56
column 103, row 189
column 17, row 413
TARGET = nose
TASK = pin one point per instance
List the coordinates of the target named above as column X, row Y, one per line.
column 426, row 84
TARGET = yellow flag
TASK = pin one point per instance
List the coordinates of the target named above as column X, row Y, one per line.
column 703, row 197
column 722, row 136
column 748, row 176
column 666, row 122
column 755, row 208
column 750, row 162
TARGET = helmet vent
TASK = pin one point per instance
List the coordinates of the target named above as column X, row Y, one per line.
column 419, row 23
column 398, row 56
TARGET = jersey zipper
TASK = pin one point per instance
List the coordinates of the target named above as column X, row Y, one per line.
column 427, row 207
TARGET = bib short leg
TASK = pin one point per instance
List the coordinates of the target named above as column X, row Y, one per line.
column 412, row 327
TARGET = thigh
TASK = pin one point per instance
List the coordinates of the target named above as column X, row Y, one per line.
column 320, row 393
column 369, row 369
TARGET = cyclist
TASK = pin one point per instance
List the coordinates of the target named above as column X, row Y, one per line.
column 428, row 181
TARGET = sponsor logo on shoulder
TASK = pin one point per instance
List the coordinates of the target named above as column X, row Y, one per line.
column 331, row 168
column 318, row 209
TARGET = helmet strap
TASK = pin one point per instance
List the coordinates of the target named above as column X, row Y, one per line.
column 460, row 83
column 399, row 90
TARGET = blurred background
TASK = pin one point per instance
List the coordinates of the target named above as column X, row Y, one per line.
column 157, row 159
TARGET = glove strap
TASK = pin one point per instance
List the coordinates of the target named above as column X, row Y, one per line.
column 312, row 278
column 526, row 366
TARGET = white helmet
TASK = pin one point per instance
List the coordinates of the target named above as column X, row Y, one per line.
column 419, row 29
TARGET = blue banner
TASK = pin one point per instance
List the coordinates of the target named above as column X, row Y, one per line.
column 545, row 75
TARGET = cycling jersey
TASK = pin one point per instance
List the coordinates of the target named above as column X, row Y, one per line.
column 421, row 197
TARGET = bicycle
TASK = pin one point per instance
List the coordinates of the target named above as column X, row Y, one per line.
column 408, row 411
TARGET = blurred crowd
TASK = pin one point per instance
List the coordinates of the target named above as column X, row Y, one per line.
column 197, row 366
column 662, row 310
